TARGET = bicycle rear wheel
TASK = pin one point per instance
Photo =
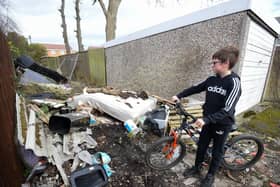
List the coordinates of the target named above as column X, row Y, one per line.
column 161, row 155
column 242, row 152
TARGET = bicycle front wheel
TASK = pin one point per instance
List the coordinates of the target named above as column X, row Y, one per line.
column 243, row 152
column 162, row 155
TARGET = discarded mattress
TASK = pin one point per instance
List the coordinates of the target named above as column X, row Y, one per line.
column 115, row 106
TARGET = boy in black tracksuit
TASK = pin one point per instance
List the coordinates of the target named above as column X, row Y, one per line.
column 222, row 93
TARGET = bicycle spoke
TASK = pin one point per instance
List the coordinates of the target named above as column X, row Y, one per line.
column 241, row 153
column 165, row 154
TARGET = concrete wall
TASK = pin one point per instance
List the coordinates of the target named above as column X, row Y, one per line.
column 272, row 92
column 168, row 62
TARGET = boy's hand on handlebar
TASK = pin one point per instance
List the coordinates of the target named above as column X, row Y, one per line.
column 175, row 99
column 199, row 123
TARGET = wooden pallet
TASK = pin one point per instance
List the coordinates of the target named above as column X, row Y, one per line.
column 174, row 119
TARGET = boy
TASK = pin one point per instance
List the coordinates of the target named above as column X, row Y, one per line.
column 222, row 93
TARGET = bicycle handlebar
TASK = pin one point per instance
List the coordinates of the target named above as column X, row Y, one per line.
column 182, row 111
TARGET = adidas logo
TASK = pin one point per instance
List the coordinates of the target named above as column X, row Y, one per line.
column 220, row 132
column 218, row 90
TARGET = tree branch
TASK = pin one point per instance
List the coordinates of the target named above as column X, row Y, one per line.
column 64, row 27
column 103, row 7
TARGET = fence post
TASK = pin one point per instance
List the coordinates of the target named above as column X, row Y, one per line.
column 96, row 58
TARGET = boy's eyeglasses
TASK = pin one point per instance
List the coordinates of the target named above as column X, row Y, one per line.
column 215, row 62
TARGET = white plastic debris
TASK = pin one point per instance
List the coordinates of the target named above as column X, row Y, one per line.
column 76, row 163
column 85, row 156
column 30, row 137
column 190, row 181
column 72, row 140
column 58, row 160
column 115, row 106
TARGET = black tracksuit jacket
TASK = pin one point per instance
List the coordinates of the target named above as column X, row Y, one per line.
column 222, row 94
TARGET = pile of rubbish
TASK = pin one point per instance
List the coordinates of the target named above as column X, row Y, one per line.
column 64, row 134
column 71, row 135
column 59, row 132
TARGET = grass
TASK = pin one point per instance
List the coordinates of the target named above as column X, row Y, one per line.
column 267, row 122
column 30, row 89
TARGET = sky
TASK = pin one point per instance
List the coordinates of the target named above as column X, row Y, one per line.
column 41, row 19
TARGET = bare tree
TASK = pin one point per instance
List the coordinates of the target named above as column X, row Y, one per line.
column 6, row 23
column 64, row 27
column 78, row 23
column 110, row 14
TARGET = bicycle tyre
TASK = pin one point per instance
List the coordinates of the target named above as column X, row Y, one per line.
column 164, row 140
column 255, row 159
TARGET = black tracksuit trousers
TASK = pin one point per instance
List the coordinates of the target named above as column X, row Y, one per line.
column 219, row 134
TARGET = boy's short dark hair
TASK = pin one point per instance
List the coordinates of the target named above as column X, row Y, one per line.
column 229, row 53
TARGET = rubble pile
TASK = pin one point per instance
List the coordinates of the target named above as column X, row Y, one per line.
column 74, row 136
column 68, row 135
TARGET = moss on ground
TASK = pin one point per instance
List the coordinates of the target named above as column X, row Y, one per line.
column 30, row 89
column 267, row 122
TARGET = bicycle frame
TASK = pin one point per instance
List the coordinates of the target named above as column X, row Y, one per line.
column 185, row 125
column 169, row 146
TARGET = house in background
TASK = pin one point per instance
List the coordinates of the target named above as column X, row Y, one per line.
column 55, row 50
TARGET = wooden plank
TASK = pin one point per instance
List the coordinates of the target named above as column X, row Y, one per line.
column 163, row 100
column 189, row 111
column 41, row 115
column 176, row 118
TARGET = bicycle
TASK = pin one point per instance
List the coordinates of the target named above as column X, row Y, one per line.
column 241, row 151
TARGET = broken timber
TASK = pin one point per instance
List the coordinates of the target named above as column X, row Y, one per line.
column 175, row 119
column 41, row 115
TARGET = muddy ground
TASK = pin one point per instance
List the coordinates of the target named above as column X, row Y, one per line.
column 127, row 155
column 128, row 158
column 130, row 169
